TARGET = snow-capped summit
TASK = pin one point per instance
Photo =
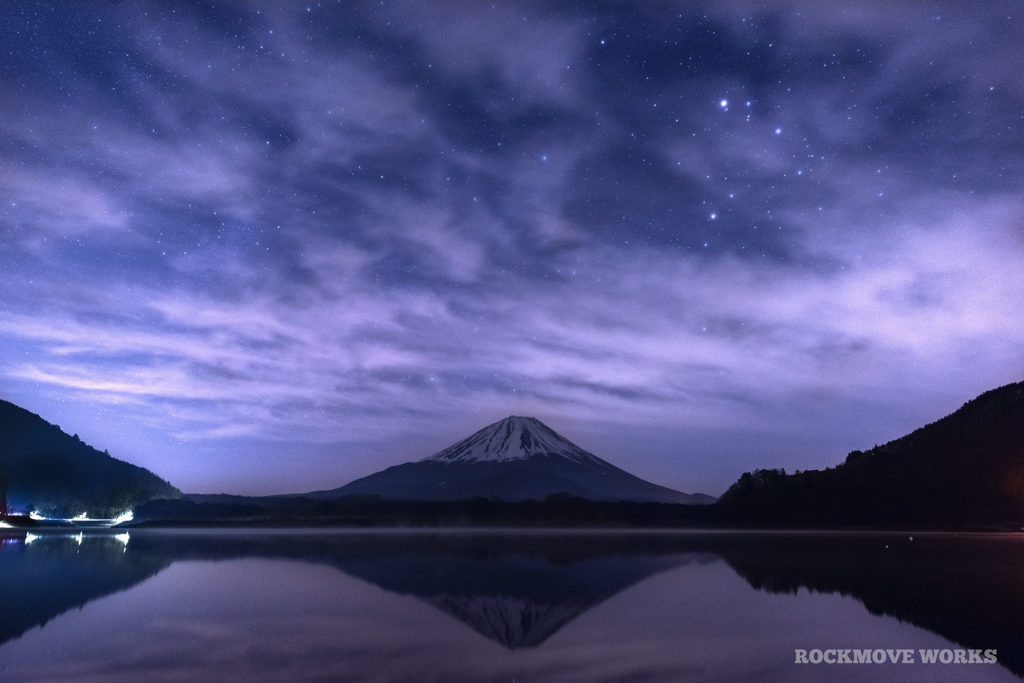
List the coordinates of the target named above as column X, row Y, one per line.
column 514, row 438
column 517, row 458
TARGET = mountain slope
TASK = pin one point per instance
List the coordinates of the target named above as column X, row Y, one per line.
column 511, row 439
column 59, row 475
column 965, row 468
column 518, row 458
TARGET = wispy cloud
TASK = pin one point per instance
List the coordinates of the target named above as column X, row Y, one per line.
column 273, row 230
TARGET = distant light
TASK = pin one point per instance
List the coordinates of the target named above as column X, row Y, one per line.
column 723, row 103
column 126, row 516
column 35, row 514
column 714, row 216
column 778, row 131
column 80, row 518
column 5, row 525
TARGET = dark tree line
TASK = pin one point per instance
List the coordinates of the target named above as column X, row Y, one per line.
column 553, row 511
column 965, row 469
column 58, row 474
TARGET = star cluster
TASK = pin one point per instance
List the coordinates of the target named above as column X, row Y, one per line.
column 268, row 247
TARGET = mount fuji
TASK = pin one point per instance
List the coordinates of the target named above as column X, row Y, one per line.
column 518, row 458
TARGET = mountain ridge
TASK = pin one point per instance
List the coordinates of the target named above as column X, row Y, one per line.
column 513, row 438
column 48, row 470
column 516, row 458
column 964, row 468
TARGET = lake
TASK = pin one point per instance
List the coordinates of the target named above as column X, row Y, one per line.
column 276, row 605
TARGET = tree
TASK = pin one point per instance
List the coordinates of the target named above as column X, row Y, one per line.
column 3, row 491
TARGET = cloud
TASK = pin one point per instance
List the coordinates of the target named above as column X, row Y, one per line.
column 248, row 225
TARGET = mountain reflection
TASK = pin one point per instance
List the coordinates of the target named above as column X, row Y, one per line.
column 967, row 588
column 519, row 590
column 516, row 590
column 45, row 575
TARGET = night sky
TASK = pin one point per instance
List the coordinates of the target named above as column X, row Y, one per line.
column 272, row 247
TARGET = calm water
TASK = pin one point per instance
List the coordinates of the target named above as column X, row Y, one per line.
column 351, row 606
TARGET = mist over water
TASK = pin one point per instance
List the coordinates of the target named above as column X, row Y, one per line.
column 477, row 606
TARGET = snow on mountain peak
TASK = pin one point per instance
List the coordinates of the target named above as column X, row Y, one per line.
column 514, row 438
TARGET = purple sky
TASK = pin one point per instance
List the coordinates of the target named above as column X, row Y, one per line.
column 272, row 247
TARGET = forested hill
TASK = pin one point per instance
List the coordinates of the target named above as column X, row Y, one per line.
column 966, row 468
column 57, row 474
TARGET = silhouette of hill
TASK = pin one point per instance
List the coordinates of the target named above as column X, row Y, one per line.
column 50, row 471
column 964, row 469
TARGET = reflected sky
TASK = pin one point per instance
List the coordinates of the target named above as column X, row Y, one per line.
column 285, row 609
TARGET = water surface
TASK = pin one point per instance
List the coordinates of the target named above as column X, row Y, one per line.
column 502, row 606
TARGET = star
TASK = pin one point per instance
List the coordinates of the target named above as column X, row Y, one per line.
column 425, row 224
